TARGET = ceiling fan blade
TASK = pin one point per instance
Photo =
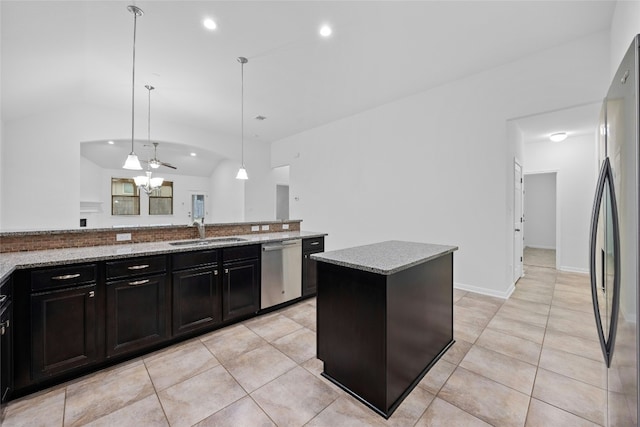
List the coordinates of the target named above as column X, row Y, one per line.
column 168, row 165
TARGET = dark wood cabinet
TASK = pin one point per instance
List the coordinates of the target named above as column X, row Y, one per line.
column 137, row 307
column 309, row 267
column 196, row 291
column 241, row 281
column 6, row 343
column 136, row 314
column 63, row 330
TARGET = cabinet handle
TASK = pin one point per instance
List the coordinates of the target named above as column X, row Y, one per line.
column 138, row 267
column 215, row 272
column 3, row 327
column 66, row 276
column 139, row 282
column 315, row 243
column 92, row 294
column 3, row 298
column 226, row 271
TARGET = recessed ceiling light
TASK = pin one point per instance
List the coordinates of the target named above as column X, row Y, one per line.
column 557, row 137
column 192, row 154
column 325, row 31
column 110, row 142
column 209, row 24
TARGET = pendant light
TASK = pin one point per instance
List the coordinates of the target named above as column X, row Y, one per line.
column 146, row 183
column 242, row 172
column 132, row 162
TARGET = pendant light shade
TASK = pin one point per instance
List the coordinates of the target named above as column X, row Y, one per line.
column 242, row 172
column 132, row 162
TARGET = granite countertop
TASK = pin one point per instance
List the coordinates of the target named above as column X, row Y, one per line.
column 17, row 260
column 386, row 257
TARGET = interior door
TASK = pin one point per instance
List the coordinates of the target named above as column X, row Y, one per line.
column 518, row 223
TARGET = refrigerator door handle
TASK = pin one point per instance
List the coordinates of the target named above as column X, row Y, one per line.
column 605, row 179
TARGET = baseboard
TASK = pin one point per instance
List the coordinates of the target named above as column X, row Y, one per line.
column 540, row 247
column 485, row 291
column 573, row 269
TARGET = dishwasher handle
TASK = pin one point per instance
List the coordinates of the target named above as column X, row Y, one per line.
column 280, row 245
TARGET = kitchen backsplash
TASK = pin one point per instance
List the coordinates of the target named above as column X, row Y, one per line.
column 20, row 241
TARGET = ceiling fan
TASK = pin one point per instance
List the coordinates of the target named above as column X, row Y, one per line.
column 155, row 163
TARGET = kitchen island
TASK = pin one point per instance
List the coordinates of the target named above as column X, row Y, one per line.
column 385, row 317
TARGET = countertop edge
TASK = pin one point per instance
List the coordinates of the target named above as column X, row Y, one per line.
column 321, row 257
column 11, row 261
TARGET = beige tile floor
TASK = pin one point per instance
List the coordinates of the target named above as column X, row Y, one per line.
column 540, row 257
column 532, row 360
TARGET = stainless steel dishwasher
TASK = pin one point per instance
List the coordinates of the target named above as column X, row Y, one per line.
column 281, row 272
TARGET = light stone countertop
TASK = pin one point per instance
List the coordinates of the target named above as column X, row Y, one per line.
column 11, row 261
column 386, row 257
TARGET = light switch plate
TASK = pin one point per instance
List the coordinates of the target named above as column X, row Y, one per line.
column 123, row 237
column 265, row 227
column 285, row 226
column 255, row 228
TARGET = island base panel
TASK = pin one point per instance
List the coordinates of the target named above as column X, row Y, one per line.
column 378, row 335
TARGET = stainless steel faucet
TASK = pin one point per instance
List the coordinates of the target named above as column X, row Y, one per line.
column 200, row 226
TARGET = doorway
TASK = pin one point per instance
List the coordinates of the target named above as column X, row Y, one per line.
column 282, row 202
column 540, row 213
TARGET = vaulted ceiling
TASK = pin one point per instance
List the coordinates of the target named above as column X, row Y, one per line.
column 64, row 52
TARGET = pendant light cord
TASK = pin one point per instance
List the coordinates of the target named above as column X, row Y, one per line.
column 242, row 110
column 133, row 80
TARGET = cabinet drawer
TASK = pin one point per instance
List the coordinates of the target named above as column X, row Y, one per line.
column 63, row 276
column 136, row 266
column 194, row 259
column 241, row 252
column 315, row 244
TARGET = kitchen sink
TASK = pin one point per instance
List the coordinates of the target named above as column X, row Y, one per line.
column 206, row 242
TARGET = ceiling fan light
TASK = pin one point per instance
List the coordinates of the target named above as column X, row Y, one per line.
column 154, row 164
column 156, row 182
column 140, row 181
column 132, row 162
column 242, row 173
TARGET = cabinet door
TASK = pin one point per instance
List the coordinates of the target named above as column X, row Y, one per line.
column 63, row 330
column 6, row 353
column 136, row 314
column 309, row 274
column 196, row 299
column 241, row 288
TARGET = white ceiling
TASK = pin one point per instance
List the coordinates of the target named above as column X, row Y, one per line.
column 56, row 53
column 112, row 156
column 579, row 120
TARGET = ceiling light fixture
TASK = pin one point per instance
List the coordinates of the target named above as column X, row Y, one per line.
column 132, row 162
column 325, row 31
column 110, row 142
column 146, row 183
column 557, row 137
column 209, row 24
column 193, row 154
column 242, row 172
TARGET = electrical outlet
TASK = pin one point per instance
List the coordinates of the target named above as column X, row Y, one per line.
column 255, row 228
column 123, row 237
column 265, row 227
column 285, row 226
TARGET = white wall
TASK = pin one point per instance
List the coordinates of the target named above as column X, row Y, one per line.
column 437, row 166
column 95, row 185
column 50, row 142
column 574, row 160
column 625, row 25
column 540, row 210
column 227, row 193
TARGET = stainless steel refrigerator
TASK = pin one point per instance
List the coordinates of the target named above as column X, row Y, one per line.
column 614, row 261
